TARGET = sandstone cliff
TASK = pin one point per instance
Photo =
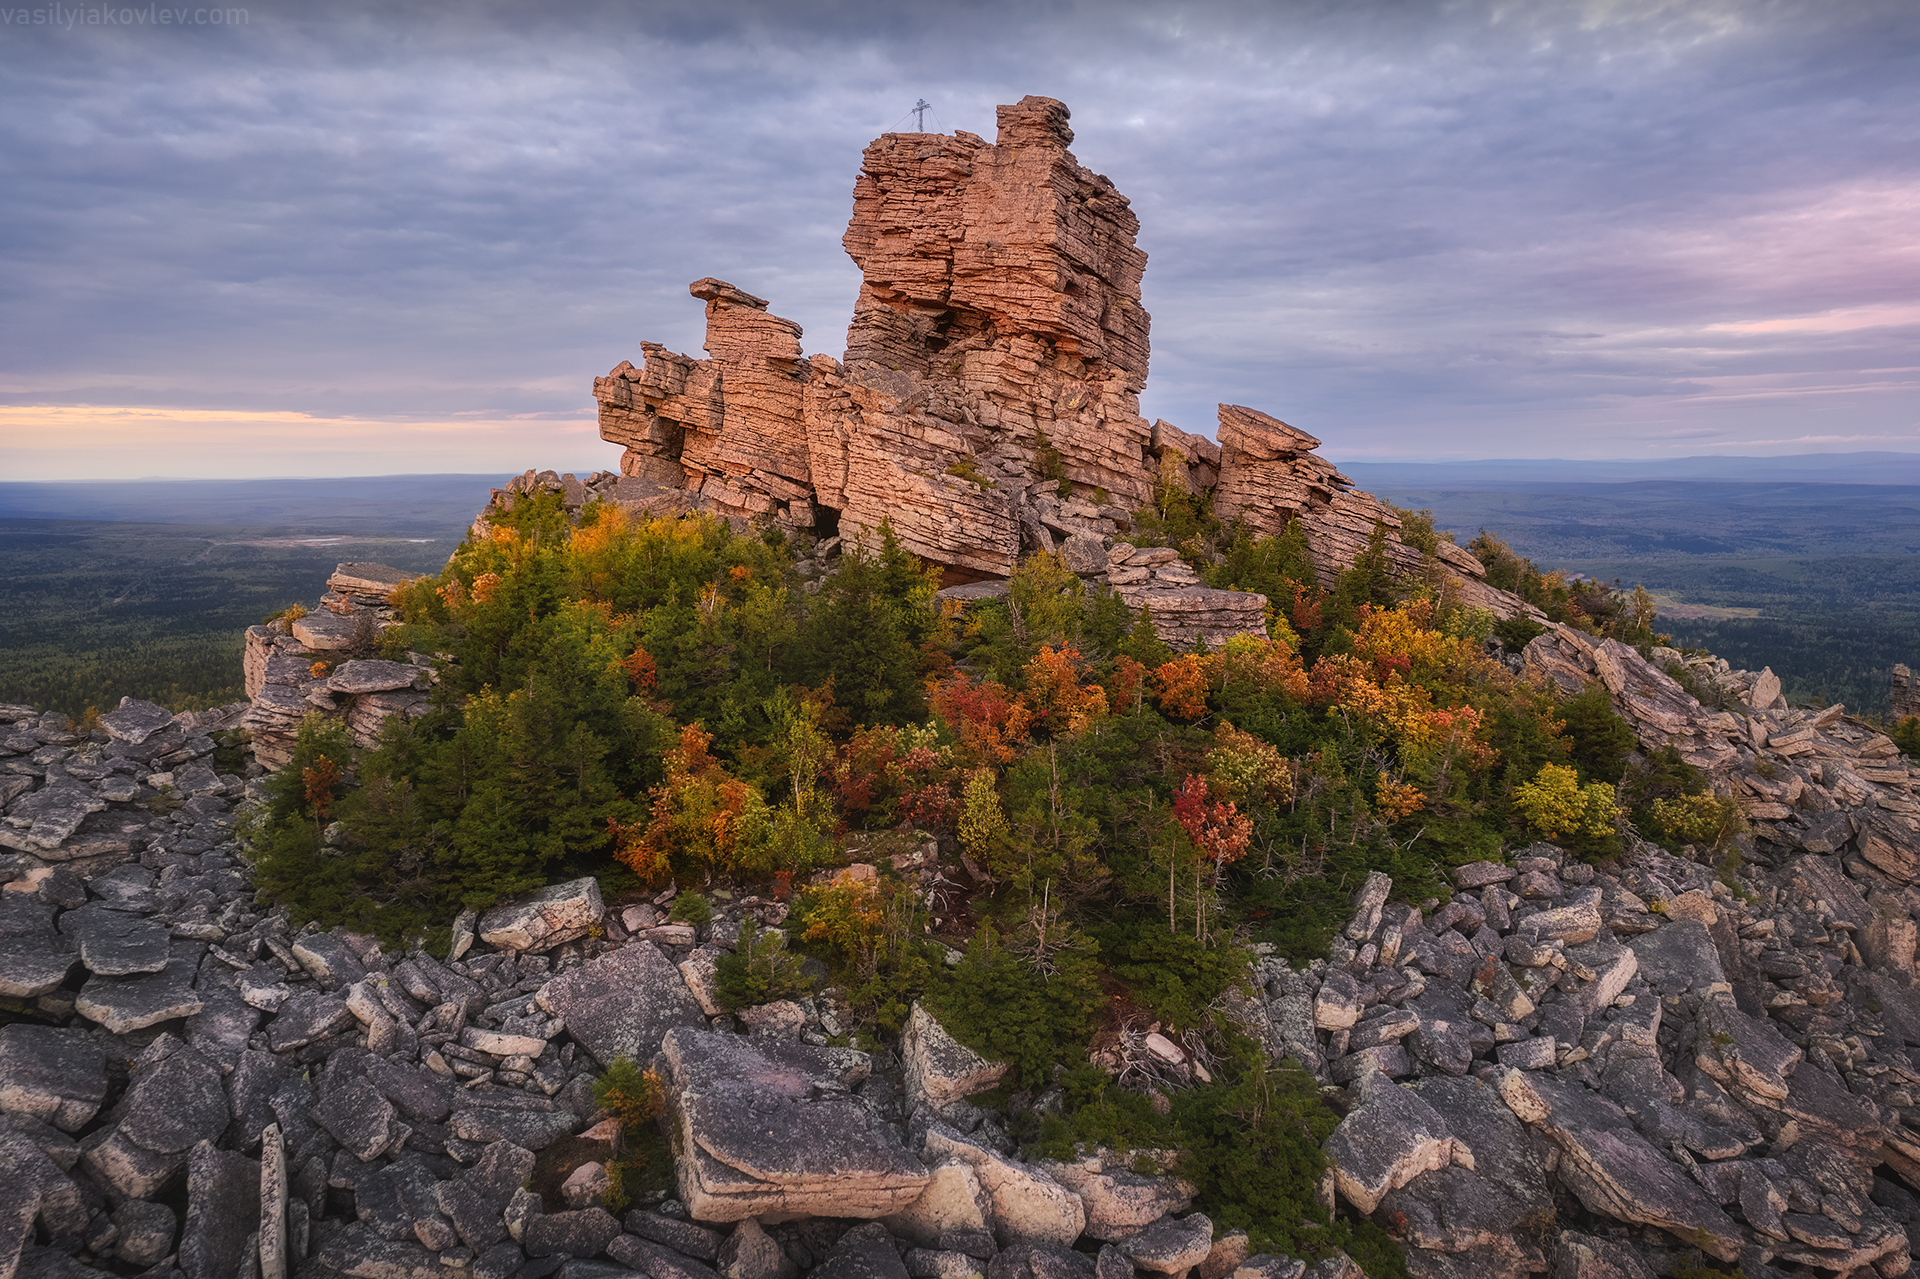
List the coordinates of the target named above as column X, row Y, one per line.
column 988, row 401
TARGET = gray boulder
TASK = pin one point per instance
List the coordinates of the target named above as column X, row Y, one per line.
column 305, row 1017
column 584, row 1232
column 531, row 1129
column 355, row 1250
column 328, row 959
column 146, row 1231
column 1581, row 1256
column 939, row 1068
column 1052, row 1261
column 1120, row 1203
column 1171, row 1245
column 684, row 1237
column 1678, row 957
column 475, row 1201
column 1029, row 1207
column 1612, row 1169
column 1390, row 1137
column 622, row 1004
column 355, row 1114
column 223, row 1208
column 751, row 1253
column 865, row 1252
column 767, row 1126
column 544, row 918
column 58, row 1077
column 660, row 1261
column 176, row 1104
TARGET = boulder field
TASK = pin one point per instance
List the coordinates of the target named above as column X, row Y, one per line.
column 1561, row 1069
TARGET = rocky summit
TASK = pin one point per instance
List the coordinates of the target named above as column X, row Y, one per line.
column 987, row 405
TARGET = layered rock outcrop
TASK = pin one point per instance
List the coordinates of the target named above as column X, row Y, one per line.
column 988, row 401
column 323, row 662
column 1723, row 1065
column 1808, row 780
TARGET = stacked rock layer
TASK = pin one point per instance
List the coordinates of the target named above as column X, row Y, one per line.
column 988, row 402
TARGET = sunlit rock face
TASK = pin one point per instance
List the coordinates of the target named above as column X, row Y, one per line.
column 988, row 402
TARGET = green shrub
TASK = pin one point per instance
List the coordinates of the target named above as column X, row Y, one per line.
column 996, row 1003
column 1172, row 975
column 1599, row 740
column 760, row 970
column 1518, row 631
column 691, row 908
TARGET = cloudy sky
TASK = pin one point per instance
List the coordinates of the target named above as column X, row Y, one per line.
column 337, row 240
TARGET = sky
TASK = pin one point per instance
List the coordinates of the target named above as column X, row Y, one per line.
column 344, row 239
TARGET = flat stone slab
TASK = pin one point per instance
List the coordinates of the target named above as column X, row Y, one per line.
column 116, row 943
column 324, row 631
column 1678, row 957
column 56, row 1076
column 768, row 1126
column 367, row 576
column 223, row 1210
column 529, row 1129
column 622, row 1004
column 34, row 964
column 127, row 1004
column 56, row 812
column 374, row 675
column 135, row 721
column 1615, row 1171
column 175, row 1104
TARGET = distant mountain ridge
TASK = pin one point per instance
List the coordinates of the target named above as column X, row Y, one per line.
column 1804, row 468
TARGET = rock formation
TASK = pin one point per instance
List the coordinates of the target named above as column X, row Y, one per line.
column 988, row 401
column 1813, row 781
column 323, row 661
column 1903, row 698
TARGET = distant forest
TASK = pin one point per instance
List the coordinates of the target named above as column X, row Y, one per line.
column 95, row 609
column 1834, row 569
column 92, row 611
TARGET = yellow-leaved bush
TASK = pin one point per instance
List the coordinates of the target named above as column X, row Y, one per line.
column 1556, row 804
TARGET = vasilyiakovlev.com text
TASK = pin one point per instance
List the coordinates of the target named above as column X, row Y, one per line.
column 152, row 16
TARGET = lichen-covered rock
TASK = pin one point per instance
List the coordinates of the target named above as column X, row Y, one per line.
column 545, row 917
column 53, row 1075
column 939, row 1068
column 1388, row 1139
column 1029, row 1207
column 767, row 1126
column 622, row 1004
